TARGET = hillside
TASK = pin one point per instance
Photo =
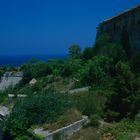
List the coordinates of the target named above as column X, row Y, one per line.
column 113, row 96
column 97, row 89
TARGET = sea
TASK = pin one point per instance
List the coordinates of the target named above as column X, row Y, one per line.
column 18, row 60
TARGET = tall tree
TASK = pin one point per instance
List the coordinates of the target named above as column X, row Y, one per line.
column 122, row 101
column 75, row 51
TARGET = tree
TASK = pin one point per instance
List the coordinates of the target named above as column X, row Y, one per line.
column 104, row 46
column 88, row 53
column 101, row 41
column 75, row 51
column 71, row 66
column 95, row 71
column 122, row 101
column 114, row 51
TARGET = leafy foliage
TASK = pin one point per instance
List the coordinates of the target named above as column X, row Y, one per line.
column 34, row 110
column 95, row 70
column 88, row 53
column 106, row 67
column 71, row 66
column 75, row 51
column 122, row 101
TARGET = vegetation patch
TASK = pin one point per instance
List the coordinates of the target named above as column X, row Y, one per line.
column 69, row 117
column 114, row 96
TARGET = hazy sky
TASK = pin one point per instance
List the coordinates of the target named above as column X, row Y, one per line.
column 51, row 26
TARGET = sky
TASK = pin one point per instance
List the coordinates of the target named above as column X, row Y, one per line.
column 52, row 26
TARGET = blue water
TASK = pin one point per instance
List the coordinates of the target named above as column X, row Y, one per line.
column 17, row 60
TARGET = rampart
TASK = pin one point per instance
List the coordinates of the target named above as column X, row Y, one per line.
column 123, row 28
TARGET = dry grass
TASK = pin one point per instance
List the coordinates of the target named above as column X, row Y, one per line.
column 68, row 118
column 62, row 85
column 89, row 133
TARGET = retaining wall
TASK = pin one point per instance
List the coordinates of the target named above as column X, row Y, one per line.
column 65, row 132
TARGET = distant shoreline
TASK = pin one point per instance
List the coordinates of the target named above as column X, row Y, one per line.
column 17, row 60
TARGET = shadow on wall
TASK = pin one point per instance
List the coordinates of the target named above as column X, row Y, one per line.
column 125, row 41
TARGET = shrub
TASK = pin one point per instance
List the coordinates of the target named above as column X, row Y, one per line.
column 22, row 138
column 75, row 51
column 87, row 102
column 137, row 118
column 120, row 131
column 35, row 110
column 95, row 71
column 94, row 120
column 70, row 67
column 122, row 101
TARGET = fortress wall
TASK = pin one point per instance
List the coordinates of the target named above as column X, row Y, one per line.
column 128, row 23
column 10, row 80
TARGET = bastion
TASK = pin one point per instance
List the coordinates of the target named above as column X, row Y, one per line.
column 123, row 28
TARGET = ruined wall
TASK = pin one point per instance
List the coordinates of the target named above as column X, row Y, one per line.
column 125, row 26
column 10, row 79
column 63, row 133
column 66, row 132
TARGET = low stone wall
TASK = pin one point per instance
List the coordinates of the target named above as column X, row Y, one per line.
column 12, row 96
column 84, row 89
column 65, row 132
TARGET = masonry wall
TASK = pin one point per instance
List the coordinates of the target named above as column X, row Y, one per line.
column 66, row 132
column 125, row 25
column 9, row 79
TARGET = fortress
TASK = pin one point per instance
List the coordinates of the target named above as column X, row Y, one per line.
column 10, row 79
column 123, row 28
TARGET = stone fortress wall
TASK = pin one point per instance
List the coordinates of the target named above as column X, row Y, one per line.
column 10, row 79
column 123, row 26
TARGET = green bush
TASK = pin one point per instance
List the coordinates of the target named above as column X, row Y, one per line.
column 123, row 130
column 88, row 53
column 94, row 120
column 75, row 51
column 70, row 67
column 123, row 101
column 95, row 71
column 35, row 70
column 137, row 118
column 2, row 97
column 34, row 110
column 87, row 102
column 22, row 138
